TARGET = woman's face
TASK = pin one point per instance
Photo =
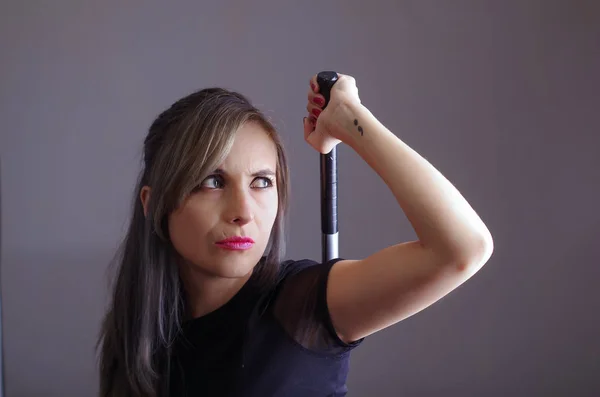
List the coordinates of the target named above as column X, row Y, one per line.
column 239, row 200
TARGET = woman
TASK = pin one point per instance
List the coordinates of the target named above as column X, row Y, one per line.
column 203, row 304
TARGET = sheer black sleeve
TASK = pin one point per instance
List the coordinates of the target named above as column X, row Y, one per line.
column 300, row 307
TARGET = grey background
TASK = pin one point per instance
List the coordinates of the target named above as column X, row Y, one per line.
column 501, row 96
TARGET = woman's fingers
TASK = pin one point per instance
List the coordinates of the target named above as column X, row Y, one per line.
column 314, row 86
column 309, row 127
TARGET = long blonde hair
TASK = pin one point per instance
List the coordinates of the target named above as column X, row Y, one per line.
column 183, row 146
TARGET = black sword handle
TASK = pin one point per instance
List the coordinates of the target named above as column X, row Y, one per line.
column 329, row 177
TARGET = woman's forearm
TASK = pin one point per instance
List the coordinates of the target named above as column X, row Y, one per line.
column 442, row 219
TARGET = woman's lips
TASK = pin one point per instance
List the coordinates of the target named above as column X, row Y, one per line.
column 236, row 243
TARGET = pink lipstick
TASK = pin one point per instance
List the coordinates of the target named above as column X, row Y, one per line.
column 236, row 243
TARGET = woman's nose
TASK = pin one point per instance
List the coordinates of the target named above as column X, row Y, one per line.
column 239, row 210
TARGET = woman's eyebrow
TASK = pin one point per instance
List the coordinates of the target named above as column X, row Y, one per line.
column 262, row 172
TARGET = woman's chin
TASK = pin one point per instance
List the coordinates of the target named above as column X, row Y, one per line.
column 234, row 266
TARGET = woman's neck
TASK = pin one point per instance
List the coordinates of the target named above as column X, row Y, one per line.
column 206, row 293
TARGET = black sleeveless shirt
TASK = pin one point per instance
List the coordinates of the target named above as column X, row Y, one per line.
column 274, row 342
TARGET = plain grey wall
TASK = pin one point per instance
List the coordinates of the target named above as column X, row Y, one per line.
column 501, row 96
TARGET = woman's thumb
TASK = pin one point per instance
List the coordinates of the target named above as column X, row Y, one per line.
column 308, row 127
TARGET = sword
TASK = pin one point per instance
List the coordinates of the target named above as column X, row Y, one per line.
column 329, row 181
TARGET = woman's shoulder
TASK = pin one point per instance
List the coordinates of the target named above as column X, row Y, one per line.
column 300, row 305
column 291, row 268
column 303, row 279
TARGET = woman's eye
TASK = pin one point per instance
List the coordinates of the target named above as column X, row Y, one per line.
column 262, row 183
column 212, row 182
column 217, row 182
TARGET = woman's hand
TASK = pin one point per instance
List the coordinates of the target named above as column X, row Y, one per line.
column 324, row 129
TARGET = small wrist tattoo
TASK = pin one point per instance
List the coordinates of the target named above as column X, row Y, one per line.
column 359, row 127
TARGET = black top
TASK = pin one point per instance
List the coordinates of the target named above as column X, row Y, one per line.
column 266, row 342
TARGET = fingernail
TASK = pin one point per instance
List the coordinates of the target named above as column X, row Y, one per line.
column 312, row 86
column 313, row 122
column 316, row 112
column 318, row 100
